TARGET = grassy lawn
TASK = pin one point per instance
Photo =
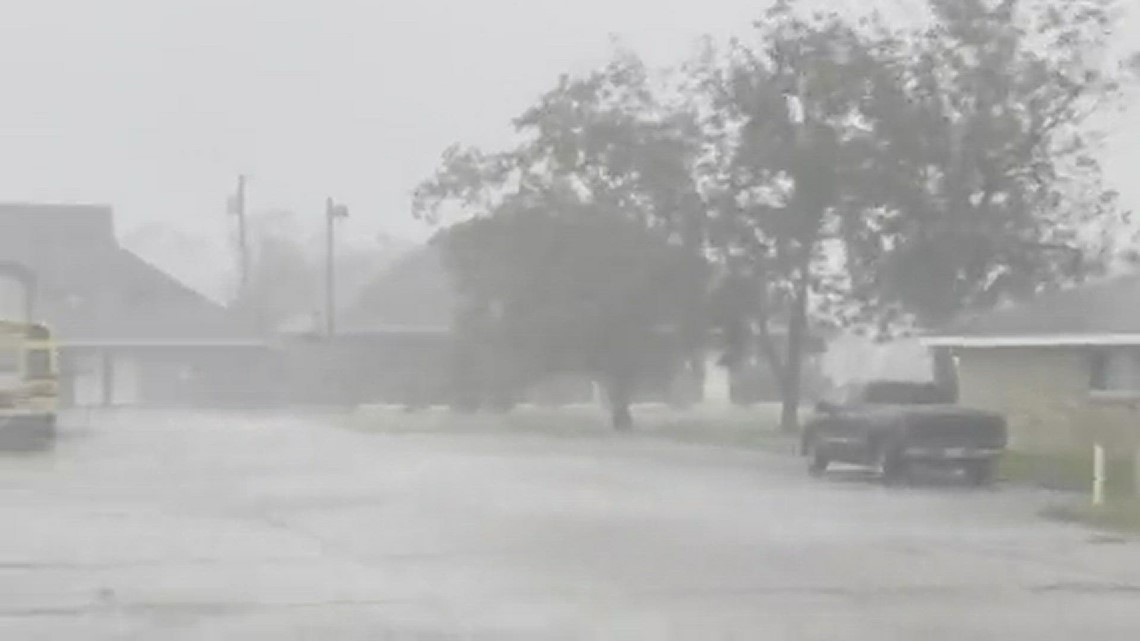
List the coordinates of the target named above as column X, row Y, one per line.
column 1121, row 515
column 753, row 427
column 1071, row 472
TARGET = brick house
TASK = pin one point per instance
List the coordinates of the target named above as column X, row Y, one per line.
column 129, row 333
column 1064, row 367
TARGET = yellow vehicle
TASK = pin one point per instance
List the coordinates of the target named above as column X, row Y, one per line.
column 29, row 383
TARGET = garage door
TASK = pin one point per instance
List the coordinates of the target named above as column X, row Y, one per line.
column 125, row 371
column 88, row 380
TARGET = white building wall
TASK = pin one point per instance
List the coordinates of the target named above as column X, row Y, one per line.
column 718, row 382
column 853, row 359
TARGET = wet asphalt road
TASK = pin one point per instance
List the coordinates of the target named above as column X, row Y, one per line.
column 162, row 526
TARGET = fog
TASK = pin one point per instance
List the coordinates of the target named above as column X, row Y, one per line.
column 603, row 320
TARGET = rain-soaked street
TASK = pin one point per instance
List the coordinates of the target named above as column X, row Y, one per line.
column 161, row 526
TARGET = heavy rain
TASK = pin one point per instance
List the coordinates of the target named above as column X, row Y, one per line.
column 482, row 319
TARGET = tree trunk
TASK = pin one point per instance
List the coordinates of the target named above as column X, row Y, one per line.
column 619, row 392
column 945, row 372
column 793, row 364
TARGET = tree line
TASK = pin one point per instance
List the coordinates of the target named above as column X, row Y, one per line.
column 824, row 172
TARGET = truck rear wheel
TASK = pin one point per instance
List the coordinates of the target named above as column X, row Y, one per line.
column 980, row 473
column 817, row 462
column 892, row 468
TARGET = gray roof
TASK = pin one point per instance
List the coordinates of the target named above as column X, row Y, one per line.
column 89, row 289
column 128, row 300
column 1105, row 307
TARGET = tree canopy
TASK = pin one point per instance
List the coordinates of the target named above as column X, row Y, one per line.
column 825, row 171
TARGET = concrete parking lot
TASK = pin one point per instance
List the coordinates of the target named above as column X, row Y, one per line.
column 213, row 526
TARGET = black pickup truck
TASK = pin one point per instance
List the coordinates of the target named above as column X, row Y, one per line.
column 894, row 426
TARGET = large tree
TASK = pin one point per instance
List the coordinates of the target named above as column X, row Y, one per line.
column 785, row 149
column 890, row 177
column 586, row 251
column 555, row 290
column 985, row 156
column 836, row 170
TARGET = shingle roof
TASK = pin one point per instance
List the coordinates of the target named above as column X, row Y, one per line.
column 1108, row 307
column 89, row 289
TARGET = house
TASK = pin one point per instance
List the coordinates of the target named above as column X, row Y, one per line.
column 393, row 344
column 1064, row 368
column 129, row 333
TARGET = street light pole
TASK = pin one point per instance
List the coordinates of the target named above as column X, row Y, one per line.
column 333, row 211
column 237, row 208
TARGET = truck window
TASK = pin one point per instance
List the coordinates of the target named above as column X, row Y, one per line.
column 9, row 361
column 39, row 364
column 904, row 394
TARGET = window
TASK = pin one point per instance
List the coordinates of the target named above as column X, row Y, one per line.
column 1115, row 370
column 900, row 393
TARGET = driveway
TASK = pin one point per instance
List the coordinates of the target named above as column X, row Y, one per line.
column 168, row 526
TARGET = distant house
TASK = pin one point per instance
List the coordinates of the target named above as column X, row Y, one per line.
column 394, row 344
column 130, row 334
column 1064, row 367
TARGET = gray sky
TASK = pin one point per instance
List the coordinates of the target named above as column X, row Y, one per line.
column 155, row 105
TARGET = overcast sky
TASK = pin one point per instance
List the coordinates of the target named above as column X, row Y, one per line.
column 155, row 105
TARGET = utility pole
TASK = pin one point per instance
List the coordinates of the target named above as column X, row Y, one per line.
column 237, row 208
column 333, row 212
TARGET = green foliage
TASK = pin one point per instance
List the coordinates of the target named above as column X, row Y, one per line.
column 985, row 184
column 829, row 171
column 586, row 250
column 571, row 291
column 783, row 172
column 951, row 166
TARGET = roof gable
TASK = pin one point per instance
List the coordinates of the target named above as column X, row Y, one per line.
column 89, row 289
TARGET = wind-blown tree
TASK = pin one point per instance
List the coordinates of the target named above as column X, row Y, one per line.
column 986, row 161
column 785, row 148
column 586, row 251
column 985, row 156
column 837, row 172
column 554, row 291
column 887, row 178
